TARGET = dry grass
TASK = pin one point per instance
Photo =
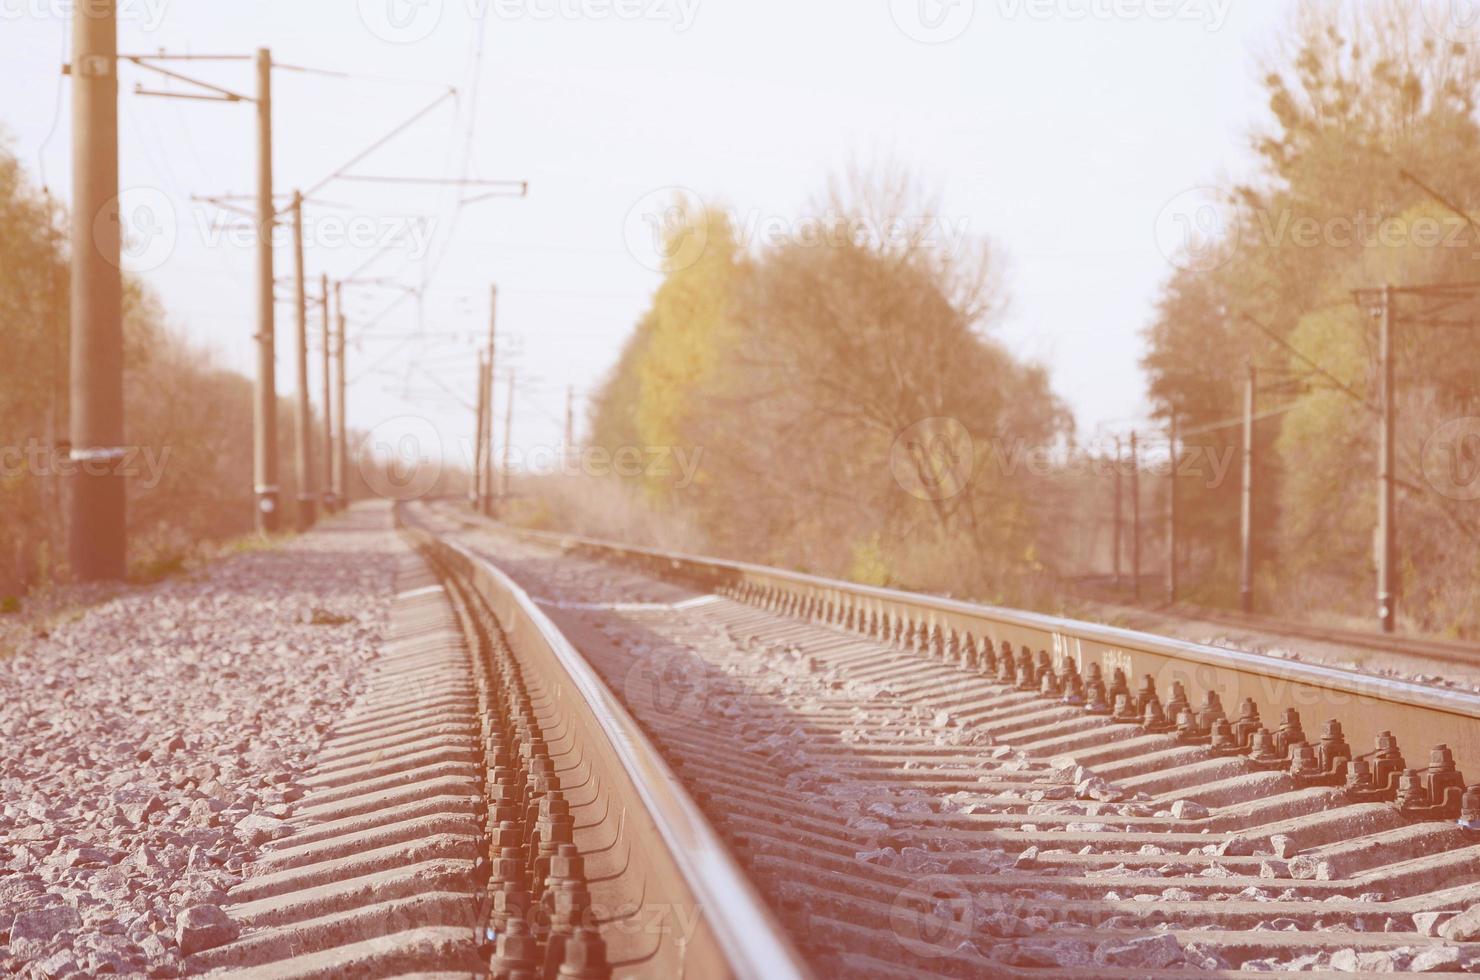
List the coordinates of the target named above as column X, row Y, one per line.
column 598, row 508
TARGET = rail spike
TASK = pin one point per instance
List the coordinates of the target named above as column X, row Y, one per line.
column 1375, row 778
column 987, row 660
column 1247, row 724
column 1049, row 685
column 1118, row 685
column 1145, row 694
column 1469, row 815
column 1264, row 752
column 1154, row 719
column 935, row 643
column 1124, row 712
column 1190, row 730
column 1027, row 671
column 955, row 650
column 1074, row 694
column 1178, row 702
column 1094, row 698
column 1333, row 751
column 1006, row 665
column 1436, row 793
column 1222, row 740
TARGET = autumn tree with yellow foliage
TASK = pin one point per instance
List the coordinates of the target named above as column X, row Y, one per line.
column 844, row 392
column 1369, row 105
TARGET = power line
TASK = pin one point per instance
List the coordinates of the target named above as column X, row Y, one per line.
column 1308, row 362
column 1231, row 422
column 397, row 130
column 56, row 113
column 1408, row 176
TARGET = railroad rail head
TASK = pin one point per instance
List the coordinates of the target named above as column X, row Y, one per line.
column 657, row 890
column 1379, row 738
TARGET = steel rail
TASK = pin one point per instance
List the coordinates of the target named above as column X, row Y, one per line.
column 1420, row 716
column 736, row 935
column 1450, row 651
column 1458, row 652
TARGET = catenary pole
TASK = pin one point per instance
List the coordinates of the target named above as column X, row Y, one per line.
column 475, row 493
column 97, row 540
column 1246, row 510
column 1135, row 518
column 1172, row 515
column 302, row 405
column 264, row 456
column 341, row 447
column 326, row 326
column 570, row 419
column 1115, row 547
column 487, row 502
column 508, row 440
column 1387, row 600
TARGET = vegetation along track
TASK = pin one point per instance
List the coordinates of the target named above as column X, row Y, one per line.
column 926, row 787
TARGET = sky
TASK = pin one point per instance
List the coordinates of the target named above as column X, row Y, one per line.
column 1071, row 133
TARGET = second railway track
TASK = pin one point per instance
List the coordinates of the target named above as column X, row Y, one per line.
column 1463, row 657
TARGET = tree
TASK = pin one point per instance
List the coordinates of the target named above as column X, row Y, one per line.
column 845, row 396
column 1363, row 95
column 188, row 420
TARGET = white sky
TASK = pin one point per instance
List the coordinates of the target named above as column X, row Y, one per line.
column 1061, row 129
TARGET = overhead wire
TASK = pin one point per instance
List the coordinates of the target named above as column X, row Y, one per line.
column 56, row 113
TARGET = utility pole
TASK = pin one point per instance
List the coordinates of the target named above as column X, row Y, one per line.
column 508, row 437
column 1246, row 523
column 486, row 503
column 97, row 543
column 265, row 489
column 1135, row 519
column 341, row 448
column 302, row 409
column 339, row 353
column 1172, row 517
column 1116, row 545
column 51, row 328
column 328, row 440
column 1387, row 530
column 475, row 494
column 265, row 461
column 570, row 419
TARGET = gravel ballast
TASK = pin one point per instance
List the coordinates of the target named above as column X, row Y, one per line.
column 154, row 743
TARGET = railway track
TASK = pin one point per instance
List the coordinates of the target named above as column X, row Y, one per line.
column 911, row 802
column 486, row 807
column 897, row 787
column 1455, row 652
